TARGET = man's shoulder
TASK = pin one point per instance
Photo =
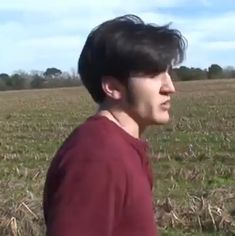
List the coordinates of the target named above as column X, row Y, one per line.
column 97, row 132
column 95, row 139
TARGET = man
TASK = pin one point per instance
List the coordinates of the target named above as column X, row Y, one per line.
column 99, row 183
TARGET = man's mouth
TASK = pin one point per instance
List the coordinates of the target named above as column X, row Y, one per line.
column 166, row 105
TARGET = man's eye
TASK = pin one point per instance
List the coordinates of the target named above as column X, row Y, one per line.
column 170, row 70
column 152, row 76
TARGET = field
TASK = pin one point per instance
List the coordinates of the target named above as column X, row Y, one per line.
column 193, row 157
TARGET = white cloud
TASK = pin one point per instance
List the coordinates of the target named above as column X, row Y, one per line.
column 50, row 33
column 53, row 43
column 222, row 45
column 64, row 5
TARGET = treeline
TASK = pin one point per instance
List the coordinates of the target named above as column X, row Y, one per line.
column 214, row 71
column 54, row 77
column 51, row 78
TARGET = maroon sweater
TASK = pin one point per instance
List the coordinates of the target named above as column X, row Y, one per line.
column 99, row 184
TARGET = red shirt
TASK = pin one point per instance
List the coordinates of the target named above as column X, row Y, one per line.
column 99, row 184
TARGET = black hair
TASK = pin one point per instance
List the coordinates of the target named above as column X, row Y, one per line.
column 125, row 46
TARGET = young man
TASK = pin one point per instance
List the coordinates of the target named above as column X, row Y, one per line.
column 99, row 183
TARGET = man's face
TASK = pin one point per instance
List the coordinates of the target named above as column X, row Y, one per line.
column 148, row 98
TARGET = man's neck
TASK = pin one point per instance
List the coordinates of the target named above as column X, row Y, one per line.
column 122, row 119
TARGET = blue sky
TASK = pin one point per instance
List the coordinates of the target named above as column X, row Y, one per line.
column 35, row 35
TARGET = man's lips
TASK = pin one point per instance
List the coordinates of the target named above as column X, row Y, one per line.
column 166, row 105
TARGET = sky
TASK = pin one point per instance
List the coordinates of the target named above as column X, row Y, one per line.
column 35, row 35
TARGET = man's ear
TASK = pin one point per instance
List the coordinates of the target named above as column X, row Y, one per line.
column 112, row 88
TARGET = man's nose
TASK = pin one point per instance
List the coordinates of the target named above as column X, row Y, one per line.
column 171, row 86
column 168, row 86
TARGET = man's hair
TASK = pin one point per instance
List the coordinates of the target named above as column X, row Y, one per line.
column 124, row 47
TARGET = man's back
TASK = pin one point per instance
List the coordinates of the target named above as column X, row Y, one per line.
column 99, row 183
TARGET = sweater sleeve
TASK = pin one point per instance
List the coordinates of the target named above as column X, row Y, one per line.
column 89, row 199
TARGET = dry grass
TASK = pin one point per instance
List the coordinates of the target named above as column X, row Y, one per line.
column 193, row 157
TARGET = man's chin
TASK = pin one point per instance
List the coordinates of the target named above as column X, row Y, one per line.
column 157, row 120
column 162, row 120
